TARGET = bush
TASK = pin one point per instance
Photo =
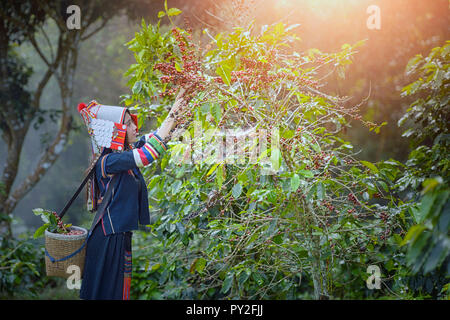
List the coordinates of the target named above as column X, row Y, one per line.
column 426, row 173
column 22, row 268
column 304, row 219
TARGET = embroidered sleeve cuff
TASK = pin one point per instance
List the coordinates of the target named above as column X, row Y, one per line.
column 145, row 155
column 153, row 148
column 160, row 139
column 157, row 143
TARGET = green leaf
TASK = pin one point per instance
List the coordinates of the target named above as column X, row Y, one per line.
column 258, row 278
column 306, row 173
column 275, row 158
column 155, row 267
column 243, row 276
column 219, row 176
column 295, row 182
column 176, row 186
column 434, row 258
column 216, row 112
column 40, row 231
column 164, row 162
column 302, row 253
column 430, row 184
column 413, row 232
column 287, row 134
column 161, row 14
column 278, row 239
column 180, row 228
column 137, row 87
column 237, row 190
column 425, row 206
column 416, row 246
column 224, row 70
column 178, row 67
column 38, row 211
column 413, row 62
column 370, row 165
column 44, row 214
column 320, row 190
column 227, row 283
column 198, row 265
column 377, row 128
column 243, row 178
column 173, row 12
column 212, row 169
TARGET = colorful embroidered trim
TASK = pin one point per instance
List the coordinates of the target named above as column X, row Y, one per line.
column 87, row 113
column 145, row 155
column 127, row 276
column 118, row 136
column 157, row 144
column 102, row 165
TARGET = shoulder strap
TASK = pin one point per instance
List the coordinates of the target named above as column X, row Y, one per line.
column 69, row 203
column 91, row 170
column 105, row 201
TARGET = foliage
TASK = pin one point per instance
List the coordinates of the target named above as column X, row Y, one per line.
column 21, row 268
column 52, row 223
column 428, row 164
column 302, row 219
column 17, row 97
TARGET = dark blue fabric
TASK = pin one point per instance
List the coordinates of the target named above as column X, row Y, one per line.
column 103, row 274
column 129, row 203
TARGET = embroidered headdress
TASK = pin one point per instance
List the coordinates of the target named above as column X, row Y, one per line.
column 105, row 125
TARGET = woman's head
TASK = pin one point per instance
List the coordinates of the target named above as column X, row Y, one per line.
column 132, row 130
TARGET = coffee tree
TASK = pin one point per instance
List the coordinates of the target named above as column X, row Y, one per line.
column 260, row 197
column 426, row 173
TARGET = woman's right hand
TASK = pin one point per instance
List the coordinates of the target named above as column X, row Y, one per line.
column 169, row 123
column 179, row 102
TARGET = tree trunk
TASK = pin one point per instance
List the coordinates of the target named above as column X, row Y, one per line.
column 318, row 272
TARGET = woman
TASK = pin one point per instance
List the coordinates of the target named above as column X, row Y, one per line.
column 107, row 269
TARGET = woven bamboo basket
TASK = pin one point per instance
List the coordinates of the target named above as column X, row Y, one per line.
column 60, row 246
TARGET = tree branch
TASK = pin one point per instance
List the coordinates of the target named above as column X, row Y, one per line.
column 38, row 50
column 49, row 156
column 52, row 56
column 102, row 25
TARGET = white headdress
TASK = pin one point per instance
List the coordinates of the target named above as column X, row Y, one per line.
column 105, row 125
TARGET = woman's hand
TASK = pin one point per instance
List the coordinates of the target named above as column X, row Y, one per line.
column 180, row 102
column 169, row 123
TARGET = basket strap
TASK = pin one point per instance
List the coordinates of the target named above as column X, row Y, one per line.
column 52, row 259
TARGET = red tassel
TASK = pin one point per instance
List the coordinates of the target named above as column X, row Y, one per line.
column 81, row 106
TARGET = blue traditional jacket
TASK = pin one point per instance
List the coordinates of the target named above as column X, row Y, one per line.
column 128, row 205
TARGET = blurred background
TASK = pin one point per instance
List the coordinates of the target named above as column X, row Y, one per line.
column 98, row 58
